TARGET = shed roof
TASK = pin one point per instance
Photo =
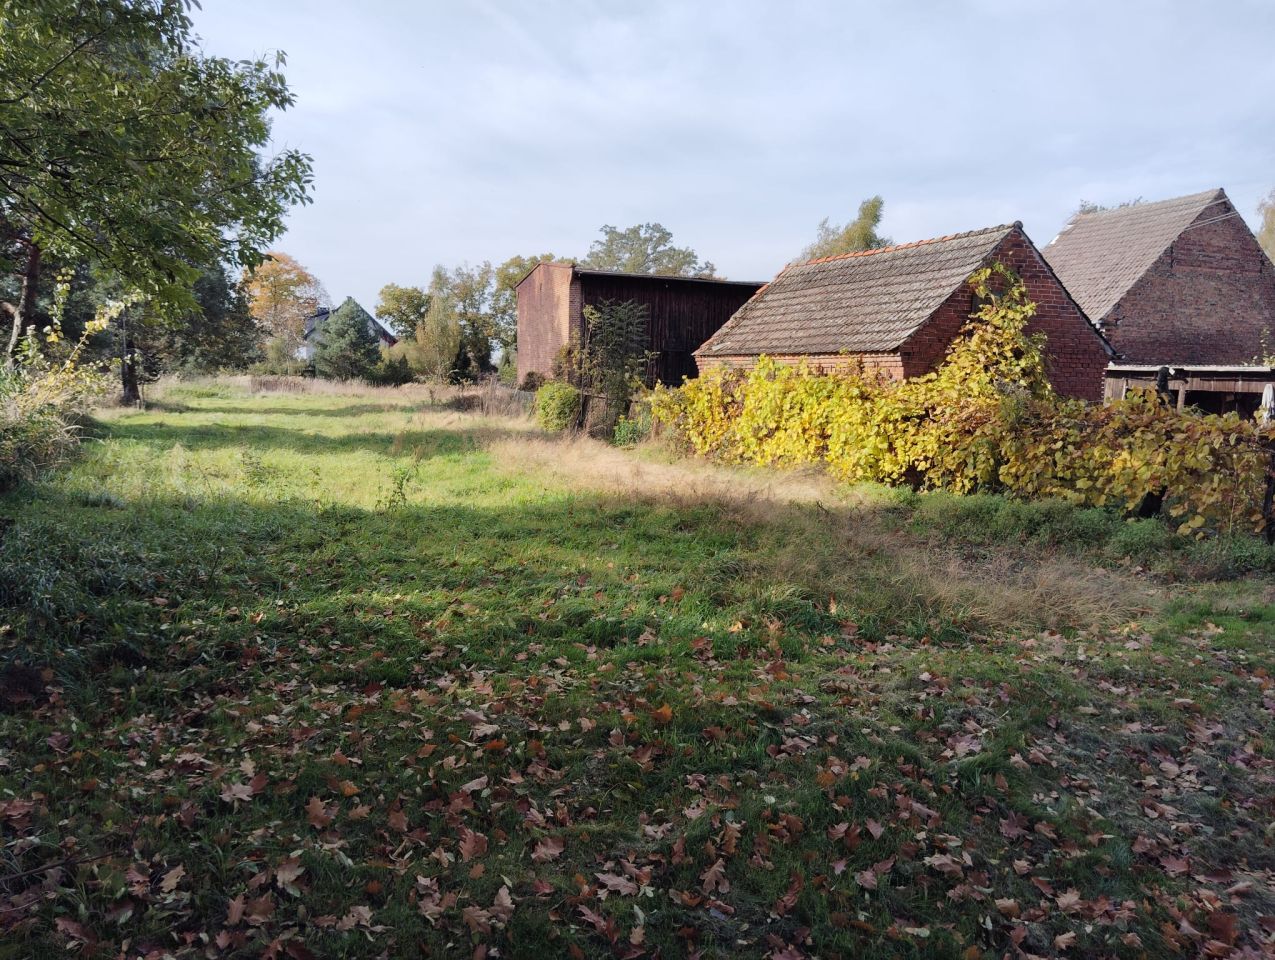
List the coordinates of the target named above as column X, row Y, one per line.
column 589, row 272
column 865, row 302
column 1098, row 256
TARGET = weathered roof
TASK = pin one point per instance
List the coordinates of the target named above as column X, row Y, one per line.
column 716, row 281
column 589, row 272
column 1098, row 256
column 865, row 302
column 315, row 320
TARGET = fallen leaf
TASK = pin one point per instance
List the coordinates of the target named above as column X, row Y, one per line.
column 550, row 848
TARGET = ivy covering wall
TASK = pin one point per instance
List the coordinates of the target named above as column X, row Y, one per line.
column 986, row 419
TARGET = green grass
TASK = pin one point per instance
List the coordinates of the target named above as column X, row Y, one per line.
column 238, row 616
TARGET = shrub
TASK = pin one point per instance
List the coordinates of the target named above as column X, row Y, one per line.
column 986, row 420
column 47, row 395
column 557, row 406
column 633, row 428
column 391, row 372
column 532, row 382
column 293, row 367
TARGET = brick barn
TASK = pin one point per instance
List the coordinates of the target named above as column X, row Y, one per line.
column 683, row 312
column 1180, row 281
column 896, row 310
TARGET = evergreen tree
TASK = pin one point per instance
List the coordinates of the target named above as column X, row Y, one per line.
column 347, row 348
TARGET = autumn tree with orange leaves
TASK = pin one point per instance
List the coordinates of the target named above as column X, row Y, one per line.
column 281, row 294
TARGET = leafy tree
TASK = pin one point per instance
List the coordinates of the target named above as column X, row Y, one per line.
column 613, row 355
column 402, row 308
column 1266, row 232
column 456, row 325
column 611, row 359
column 123, row 144
column 281, row 295
column 468, row 290
column 220, row 335
column 859, row 234
column 645, row 248
column 347, row 348
column 433, row 345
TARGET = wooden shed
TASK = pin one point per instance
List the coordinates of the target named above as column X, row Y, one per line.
column 1211, row 388
column 683, row 312
column 895, row 311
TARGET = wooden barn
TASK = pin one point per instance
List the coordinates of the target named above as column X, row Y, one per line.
column 683, row 312
column 896, row 310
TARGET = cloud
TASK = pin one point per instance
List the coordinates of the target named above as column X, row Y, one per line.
column 444, row 133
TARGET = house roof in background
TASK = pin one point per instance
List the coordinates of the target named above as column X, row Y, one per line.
column 316, row 320
column 865, row 302
column 1098, row 256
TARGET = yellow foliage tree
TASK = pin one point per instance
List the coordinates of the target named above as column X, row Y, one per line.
column 281, row 294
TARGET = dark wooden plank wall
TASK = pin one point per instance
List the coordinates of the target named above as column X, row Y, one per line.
column 683, row 314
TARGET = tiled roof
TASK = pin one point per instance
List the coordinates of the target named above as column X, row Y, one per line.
column 865, row 302
column 1098, row 256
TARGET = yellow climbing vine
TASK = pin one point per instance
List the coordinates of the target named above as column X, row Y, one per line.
column 985, row 419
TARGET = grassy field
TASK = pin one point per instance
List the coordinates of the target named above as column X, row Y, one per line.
column 358, row 674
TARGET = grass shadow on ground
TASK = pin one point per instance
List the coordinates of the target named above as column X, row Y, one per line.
column 264, row 438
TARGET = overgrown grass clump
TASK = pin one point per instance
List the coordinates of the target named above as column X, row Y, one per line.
column 557, row 406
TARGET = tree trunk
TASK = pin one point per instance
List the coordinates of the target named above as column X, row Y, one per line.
column 130, row 394
column 25, row 309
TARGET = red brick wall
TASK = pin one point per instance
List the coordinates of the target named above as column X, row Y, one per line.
column 1074, row 354
column 1207, row 299
column 887, row 364
column 544, row 312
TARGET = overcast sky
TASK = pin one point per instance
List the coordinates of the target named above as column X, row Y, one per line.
column 445, row 132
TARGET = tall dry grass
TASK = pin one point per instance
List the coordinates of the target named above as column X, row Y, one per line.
column 831, row 540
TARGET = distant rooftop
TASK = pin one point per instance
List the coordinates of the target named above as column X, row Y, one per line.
column 1099, row 255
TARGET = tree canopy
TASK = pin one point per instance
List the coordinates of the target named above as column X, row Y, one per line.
column 434, row 342
column 1088, row 206
column 859, row 234
column 124, row 144
column 645, row 248
column 402, row 308
column 219, row 335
